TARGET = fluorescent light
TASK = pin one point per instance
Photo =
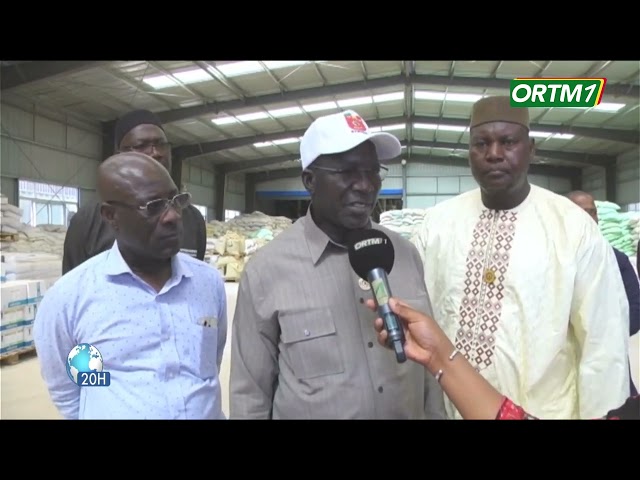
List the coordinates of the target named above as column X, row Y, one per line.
column 609, row 107
column 248, row 117
column 388, row 97
column 352, row 102
column 558, row 136
column 316, row 107
column 285, row 112
column 434, row 126
column 160, row 81
column 603, row 107
column 399, row 126
column 425, row 95
column 224, row 120
column 240, row 68
column 190, row 103
column 193, row 76
column 375, row 129
column 285, row 141
column 540, row 134
column 282, row 141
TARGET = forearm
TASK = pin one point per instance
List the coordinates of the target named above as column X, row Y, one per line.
column 471, row 394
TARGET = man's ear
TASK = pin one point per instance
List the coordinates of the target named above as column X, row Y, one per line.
column 108, row 213
column 308, row 180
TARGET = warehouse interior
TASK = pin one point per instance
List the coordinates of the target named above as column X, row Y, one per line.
column 235, row 128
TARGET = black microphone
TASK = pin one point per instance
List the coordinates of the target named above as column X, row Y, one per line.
column 371, row 256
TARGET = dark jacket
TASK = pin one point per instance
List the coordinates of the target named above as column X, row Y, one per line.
column 88, row 235
column 632, row 287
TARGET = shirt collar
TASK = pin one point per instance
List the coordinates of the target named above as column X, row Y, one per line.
column 317, row 240
column 116, row 265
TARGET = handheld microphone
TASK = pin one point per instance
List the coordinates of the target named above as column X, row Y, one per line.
column 371, row 256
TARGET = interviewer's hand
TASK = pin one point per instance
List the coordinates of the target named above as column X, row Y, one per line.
column 423, row 336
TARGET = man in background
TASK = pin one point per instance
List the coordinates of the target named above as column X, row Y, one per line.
column 586, row 201
column 157, row 316
column 89, row 234
column 303, row 342
column 523, row 283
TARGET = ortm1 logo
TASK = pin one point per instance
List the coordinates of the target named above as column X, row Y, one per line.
column 557, row 92
column 84, row 366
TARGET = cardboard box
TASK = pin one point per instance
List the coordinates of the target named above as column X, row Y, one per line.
column 11, row 339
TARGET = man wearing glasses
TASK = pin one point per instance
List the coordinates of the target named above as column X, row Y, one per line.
column 157, row 316
column 303, row 343
column 88, row 234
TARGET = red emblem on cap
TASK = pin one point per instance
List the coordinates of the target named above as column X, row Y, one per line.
column 355, row 122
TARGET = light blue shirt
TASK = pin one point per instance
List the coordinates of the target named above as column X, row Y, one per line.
column 163, row 362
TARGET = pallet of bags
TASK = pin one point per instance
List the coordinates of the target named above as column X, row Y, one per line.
column 617, row 227
column 403, row 221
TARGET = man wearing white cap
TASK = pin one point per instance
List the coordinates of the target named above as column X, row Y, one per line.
column 303, row 342
column 522, row 281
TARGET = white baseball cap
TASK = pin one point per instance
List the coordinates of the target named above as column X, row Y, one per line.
column 339, row 132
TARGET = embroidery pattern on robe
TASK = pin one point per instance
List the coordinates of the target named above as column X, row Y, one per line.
column 481, row 307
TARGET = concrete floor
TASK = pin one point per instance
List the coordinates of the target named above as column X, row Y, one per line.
column 23, row 394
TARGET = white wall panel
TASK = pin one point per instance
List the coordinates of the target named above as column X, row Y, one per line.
column 628, row 178
column 593, row 182
column 43, row 146
column 280, row 184
column 200, row 182
column 234, row 196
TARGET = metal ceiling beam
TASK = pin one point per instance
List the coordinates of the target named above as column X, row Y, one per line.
column 193, row 150
column 582, row 158
column 234, row 167
column 190, row 151
column 615, row 90
column 534, row 169
column 13, row 76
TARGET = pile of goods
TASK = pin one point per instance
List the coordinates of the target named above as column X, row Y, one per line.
column 403, row 221
column 29, row 252
column 621, row 229
column 231, row 244
column 31, row 261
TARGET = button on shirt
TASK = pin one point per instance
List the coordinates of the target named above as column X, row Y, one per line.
column 304, row 345
column 162, row 349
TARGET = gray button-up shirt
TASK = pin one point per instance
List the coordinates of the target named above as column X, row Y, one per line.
column 303, row 342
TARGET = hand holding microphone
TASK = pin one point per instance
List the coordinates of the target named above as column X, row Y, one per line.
column 424, row 339
column 371, row 256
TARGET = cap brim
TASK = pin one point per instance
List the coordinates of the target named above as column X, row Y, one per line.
column 387, row 146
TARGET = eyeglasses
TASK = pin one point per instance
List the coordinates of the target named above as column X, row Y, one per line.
column 147, row 147
column 160, row 205
column 380, row 172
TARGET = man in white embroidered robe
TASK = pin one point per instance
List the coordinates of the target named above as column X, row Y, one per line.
column 523, row 282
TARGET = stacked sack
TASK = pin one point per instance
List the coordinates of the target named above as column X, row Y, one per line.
column 230, row 244
column 10, row 217
column 403, row 221
column 619, row 228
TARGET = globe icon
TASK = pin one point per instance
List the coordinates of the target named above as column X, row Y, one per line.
column 83, row 358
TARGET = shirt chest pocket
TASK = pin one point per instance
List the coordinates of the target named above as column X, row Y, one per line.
column 201, row 343
column 310, row 343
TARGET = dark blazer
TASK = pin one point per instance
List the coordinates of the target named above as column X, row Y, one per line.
column 632, row 287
